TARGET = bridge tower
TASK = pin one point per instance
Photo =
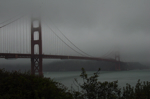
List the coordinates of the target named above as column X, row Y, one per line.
column 36, row 59
column 117, row 58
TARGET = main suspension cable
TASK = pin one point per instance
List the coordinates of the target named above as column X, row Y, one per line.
column 70, row 40
column 63, row 41
column 12, row 21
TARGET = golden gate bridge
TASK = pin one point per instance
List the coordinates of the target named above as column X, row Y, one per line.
column 28, row 37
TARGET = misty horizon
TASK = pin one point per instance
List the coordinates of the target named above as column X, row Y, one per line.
column 96, row 27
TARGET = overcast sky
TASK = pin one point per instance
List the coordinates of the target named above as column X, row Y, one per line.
column 95, row 26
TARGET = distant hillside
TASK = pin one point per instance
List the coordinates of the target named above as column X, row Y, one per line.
column 76, row 65
column 135, row 65
column 16, row 67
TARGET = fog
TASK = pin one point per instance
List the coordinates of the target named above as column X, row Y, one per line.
column 95, row 26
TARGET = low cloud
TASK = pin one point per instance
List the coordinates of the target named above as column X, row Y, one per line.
column 96, row 26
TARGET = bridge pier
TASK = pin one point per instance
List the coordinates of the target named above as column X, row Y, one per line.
column 117, row 58
column 36, row 66
column 36, row 60
column 117, row 67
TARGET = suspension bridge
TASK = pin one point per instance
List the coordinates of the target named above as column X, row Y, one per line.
column 28, row 37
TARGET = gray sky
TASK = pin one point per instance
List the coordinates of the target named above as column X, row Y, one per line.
column 95, row 26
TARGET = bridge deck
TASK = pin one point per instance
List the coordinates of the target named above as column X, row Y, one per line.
column 17, row 55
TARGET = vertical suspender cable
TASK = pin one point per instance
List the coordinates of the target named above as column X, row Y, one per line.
column 19, row 32
column 21, row 23
column 7, row 39
column 9, row 43
column 4, row 40
column 62, row 48
column 57, row 47
column 24, row 47
column 53, row 42
column 1, row 41
column 14, row 37
column 58, row 44
column 26, row 35
column 4, row 43
column 52, row 38
column 50, row 43
column 30, row 35
column 47, row 41
column 22, row 34
column 54, row 45
column 8, row 30
column 43, row 41
column 17, row 37
column 19, row 27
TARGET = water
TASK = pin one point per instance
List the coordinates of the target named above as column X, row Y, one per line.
column 123, row 77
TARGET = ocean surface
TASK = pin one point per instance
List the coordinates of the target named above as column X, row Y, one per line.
column 123, row 77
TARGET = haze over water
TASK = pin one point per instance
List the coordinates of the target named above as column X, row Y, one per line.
column 123, row 77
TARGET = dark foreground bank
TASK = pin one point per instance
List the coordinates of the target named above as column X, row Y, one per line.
column 16, row 85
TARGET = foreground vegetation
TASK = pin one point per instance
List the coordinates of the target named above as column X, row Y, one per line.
column 94, row 89
column 17, row 85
